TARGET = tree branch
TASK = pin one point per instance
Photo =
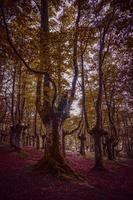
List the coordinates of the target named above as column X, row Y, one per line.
column 37, row 5
column 75, row 58
column 23, row 61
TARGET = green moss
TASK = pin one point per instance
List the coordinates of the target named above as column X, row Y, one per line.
column 59, row 169
column 22, row 154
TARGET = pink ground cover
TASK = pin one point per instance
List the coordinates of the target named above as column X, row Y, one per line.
column 115, row 183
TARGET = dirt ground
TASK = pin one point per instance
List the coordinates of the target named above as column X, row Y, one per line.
column 115, row 183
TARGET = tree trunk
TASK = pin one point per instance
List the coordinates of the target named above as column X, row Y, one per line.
column 63, row 145
column 98, row 152
column 53, row 161
column 109, row 151
column 82, row 145
column 97, row 135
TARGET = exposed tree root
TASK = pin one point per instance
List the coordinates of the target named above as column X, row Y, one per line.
column 57, row 167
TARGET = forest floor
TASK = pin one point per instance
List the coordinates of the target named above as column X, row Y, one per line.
column 116, row 183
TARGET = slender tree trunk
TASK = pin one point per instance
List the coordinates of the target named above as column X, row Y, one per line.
column 82, row 145
column 12, row 134
column 37, row 138
column 97, row 135
column 63, row 145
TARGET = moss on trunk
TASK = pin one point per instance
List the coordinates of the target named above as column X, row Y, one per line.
column 58, row 167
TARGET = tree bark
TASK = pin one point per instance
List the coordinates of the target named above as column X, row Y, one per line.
column 97, row 135
column 53, row 160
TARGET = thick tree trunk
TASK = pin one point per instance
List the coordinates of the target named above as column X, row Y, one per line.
column 53, row 161
column 98, row 152
column 16, row 133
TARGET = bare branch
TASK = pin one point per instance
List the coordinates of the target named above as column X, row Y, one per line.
column 74, row 82
column 37, row 5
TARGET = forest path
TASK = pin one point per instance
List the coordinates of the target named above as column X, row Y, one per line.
column 15, row 184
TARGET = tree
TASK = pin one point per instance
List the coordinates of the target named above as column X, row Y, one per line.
column 52, row 115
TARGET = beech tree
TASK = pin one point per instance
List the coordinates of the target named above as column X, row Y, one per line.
column 56, row 53
column 52, row 115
